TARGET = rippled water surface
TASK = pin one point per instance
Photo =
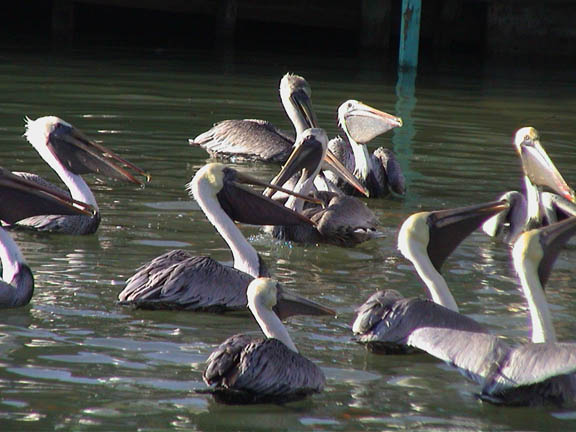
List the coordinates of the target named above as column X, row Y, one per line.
column 73, row 359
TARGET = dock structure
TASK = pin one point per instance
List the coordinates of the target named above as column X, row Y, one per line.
column 502, row 27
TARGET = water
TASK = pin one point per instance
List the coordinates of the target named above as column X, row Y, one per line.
column 74, row 360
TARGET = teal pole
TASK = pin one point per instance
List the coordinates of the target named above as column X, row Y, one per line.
column 410, row 33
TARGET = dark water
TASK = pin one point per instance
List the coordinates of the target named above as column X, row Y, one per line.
column 74, row 360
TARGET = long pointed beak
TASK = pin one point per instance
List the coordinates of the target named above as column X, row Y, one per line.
column 552, row 239
column 304, row 105
column 341, row 171
column 448, row 228
column 541, row 171
column 289, row 304
column 82, row 156
column 22, row 198
column 247, row 179
column 365, row 123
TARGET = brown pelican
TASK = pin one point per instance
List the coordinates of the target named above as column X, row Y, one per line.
column 540, row 372
column 19, row 199
column 536, row 207
column 258, row 139
column 386, row 320
column 380, row 171
column 341, row 220
column 179, row 280
column 244, row 369
column 70, row 154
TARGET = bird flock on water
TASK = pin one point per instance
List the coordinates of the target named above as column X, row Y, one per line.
column 314, row 199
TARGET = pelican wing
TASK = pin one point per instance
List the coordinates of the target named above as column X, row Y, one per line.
column 388, row 170
column 177, row 280
column 246, row 139
column 222, row 365
column 474, row 354
column 41, row 181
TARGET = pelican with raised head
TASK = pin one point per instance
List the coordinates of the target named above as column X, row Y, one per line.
column 542, row 372
column 180, row 280
column 380, row 171
column 19, row 199
column 536, row 207
column 70, row 153
column 244, row 369
column 341, row 220
column 387, row 319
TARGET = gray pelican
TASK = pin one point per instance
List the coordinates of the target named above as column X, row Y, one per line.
column 244, row 369
column 542, row 372
column 19, row 199
column 387, row 319
column 380, row 171
column 70, row 153
column 180, row 280
column 341, row 220
column 258, row 139
column 535, row 207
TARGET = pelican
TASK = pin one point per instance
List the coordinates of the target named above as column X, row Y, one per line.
column 387, row 319
column 70, row 154
column 179, row 280
column 259, row 140
column 535, row 207
column 380, row 171
column 541, row 372
column 244, row 369
column 341, row 220
column 19, row 199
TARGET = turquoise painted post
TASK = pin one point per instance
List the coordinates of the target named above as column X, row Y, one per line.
column 410, row 33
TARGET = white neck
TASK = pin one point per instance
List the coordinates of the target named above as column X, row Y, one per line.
column 363, row 163
column 542, row 326
column 78, row 188
column 271, row 325
column 245, row 256
column 10, row 255
column 294, row 115
column 303, row 187
column 533, row 200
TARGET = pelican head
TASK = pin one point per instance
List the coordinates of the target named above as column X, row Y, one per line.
column 537, row 166
column 437, row 233
column 538, row 249
column 362, row 123
column 53, row 138
column 22, row 198
column 240, row 203
column 296, row 95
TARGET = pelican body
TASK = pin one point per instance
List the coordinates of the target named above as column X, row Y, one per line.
column 380, row 172
column 180, row 280
column 340, row 220
column 541, row 372
column 244, row 369
column 70, row 153
column 386, row 321
column 20, row 199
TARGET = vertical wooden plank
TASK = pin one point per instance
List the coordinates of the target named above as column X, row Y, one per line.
column 63, row 22
column 410, row 33
column 375, row 28
column 226, row 21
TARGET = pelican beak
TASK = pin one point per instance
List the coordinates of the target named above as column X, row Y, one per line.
column 301, row 100
column 341, row 171
column 82, row 156
column 552, row 240
column 448, row 228
column 23, row 198
column 246, row 206
column 289, row 304
column 538, row 167
column 365, row 123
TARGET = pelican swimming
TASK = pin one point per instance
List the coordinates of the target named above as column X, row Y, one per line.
column 244, row 369
column 536, row 373
column 180, row 280
column 341, row 220
column 380, row 171
column 70, row 154
column 19, row 199
column 387, row 319
column 259, row 140
column 535, row 207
